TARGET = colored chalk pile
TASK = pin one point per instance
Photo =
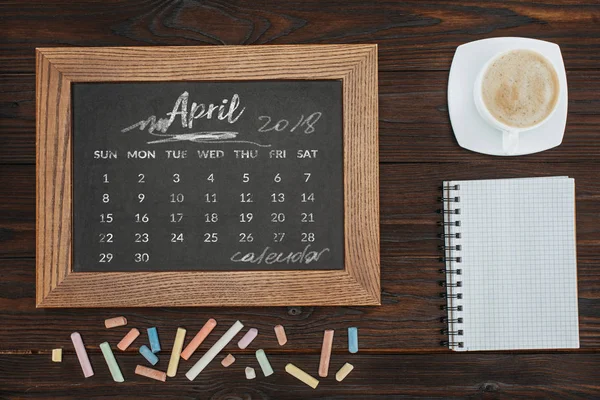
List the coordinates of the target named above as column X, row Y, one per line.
column 149, row 353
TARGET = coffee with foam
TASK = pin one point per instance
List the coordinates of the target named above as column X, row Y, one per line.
column 520, row 88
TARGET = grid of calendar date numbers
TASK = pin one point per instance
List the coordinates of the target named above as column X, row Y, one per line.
column 256, row 220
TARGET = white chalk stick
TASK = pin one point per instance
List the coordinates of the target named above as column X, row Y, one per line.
column 214, row 350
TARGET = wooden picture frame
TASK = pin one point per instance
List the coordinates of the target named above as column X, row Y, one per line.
column 58, row 286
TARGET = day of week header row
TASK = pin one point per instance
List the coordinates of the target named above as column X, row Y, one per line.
column 205, row 154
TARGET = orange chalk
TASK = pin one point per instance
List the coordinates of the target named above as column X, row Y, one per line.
column 227, row 361
column 280, row 333
column 128, row 339
column 326, row 353
column 151, row 373
column 198, row 339
column 114, row 322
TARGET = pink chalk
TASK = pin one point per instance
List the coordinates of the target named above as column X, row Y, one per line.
column 227, row 361
column 248, row 338
column 82, row 355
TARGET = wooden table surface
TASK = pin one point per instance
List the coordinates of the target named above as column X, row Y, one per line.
column 399, row 356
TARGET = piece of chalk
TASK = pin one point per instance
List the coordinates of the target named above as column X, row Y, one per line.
column 198, row 339
column 82, row 355
column 280, row 333
column 114, row 322
column 353, row 340
column 227, row 361
column 153, row 339
column 214, row 350
column 148, row 354
column 128, row 339
column 150, row 373
column 250, row 373
column 265, row 365
column 343, row 372
column 301, row 375
column 326, row 353
column 176, row 353
column 248, row 338
column 113, row 367
column 57, row 355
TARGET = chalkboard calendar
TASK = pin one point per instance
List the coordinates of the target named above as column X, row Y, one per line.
column 208, row 176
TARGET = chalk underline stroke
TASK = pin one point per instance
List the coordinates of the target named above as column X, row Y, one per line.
column 204, row 137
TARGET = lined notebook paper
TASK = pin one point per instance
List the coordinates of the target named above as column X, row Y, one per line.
column 513, row 241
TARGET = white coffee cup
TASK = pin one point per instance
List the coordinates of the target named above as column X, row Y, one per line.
column 510, row 134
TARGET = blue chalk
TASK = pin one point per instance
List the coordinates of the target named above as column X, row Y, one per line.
column 153, row 337
column 353, row 340
column 148, row 355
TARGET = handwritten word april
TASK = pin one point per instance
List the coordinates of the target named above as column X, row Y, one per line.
column 198, row 110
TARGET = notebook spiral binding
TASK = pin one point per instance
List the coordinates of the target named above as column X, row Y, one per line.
column 451, row 256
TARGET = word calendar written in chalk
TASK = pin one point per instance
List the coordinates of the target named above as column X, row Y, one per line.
column 208, row 176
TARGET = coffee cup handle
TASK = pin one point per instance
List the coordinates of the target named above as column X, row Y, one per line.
column 510, row 142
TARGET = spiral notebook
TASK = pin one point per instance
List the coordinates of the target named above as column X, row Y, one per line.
column 511, row 267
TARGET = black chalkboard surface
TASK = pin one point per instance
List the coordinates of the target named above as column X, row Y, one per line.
column 208, row 176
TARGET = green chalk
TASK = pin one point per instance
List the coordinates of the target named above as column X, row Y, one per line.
column 265, row 365
column 115, row 371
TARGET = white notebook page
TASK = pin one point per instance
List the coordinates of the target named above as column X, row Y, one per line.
column 518, row 262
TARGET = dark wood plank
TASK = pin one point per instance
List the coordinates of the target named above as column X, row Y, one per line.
column 17, row 118
column 407, row 320
column 414, row 123
column 408, row 203
column 498, row 376
column 412, row 35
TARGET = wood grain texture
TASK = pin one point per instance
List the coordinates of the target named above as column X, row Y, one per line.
column 412, row 35
column 407, row 321
column 399, row 357
column 58, row 286
column 508, row 376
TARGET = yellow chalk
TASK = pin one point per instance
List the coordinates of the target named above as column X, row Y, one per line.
column 301, row 375
column 176, row 353
column 57, row 355
column 343, row 372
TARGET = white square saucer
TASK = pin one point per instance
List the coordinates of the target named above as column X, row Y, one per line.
column 470, row 129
